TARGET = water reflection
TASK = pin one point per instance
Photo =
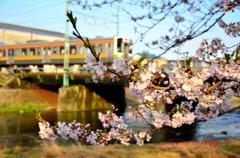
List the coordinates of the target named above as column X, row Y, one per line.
column 222, row 128
column 19, row 123
column 184, row 133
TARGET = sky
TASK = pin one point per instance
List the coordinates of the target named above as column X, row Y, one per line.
column 50, row 15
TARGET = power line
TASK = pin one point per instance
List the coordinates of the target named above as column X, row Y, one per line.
column 24, row 5
column 91, row 16
column 72, row 4
column 24, row 11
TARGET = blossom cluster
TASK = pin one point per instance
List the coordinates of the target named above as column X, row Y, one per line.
column 180, row 88
column 216, row 85
column 122, row 66
column 230, row 29
column 77, row 131
column 96, row 68
column 213, row 48
column 73, row 130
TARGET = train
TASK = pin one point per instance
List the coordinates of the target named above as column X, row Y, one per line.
column 52, row 53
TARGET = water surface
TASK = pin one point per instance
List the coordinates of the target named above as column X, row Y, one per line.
column 222, row 128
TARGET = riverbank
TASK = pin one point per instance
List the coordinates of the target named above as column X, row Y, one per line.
column 27, row 99
column 190, row 149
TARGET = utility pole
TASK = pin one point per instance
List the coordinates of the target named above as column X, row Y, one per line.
column 117, row 20
column 66, row 54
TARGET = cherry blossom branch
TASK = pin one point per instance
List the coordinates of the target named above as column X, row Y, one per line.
column 220, row 82
column 88, row 44
column 155, row 24
column 137, row 132
column 186, row 85
column 118, row 74
column 160, row 88
column 187, row 38
column 215, row 85
column 40, row 118
column 231, row 110
column 159, row 129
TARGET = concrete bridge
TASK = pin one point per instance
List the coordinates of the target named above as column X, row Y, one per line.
column 54, row 75
column 82, row 94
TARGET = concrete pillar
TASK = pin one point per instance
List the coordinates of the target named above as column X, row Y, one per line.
column 79, row 97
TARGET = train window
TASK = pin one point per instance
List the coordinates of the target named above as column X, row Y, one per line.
column 88, row 51
column 109, row 47
column 24, row 52
column 10, row 52
column 72, row 50
column 32, row 51
column 18, row 53
column 44, row 51
column 54, row 50
column 62, row 50
column 100, row 48
column 81, row 49
column 119, row 45
column 38, row 51
column 49, row 51
column 125, row 47
column 130, row 47
column 2, row 53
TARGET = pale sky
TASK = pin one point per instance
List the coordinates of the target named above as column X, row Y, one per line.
column 50, row 15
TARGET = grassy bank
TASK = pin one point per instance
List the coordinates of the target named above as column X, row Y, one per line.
column 224, row 149
column 20, row 107
column 2, row 80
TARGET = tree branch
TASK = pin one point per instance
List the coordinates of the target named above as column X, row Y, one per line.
column 159, row 129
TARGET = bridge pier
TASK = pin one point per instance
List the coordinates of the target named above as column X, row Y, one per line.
column 79, row 97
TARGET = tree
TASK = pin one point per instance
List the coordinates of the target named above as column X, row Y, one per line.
column 192, row 19
column 181, row 87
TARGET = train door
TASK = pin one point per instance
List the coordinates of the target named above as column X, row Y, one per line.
column 46, row 55
column 124, row 46
column 108, row 48
column 10, row 59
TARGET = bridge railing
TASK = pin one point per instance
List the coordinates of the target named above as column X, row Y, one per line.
column 46, row 70
column 60, row 70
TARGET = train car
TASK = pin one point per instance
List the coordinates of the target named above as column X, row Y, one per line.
column 41, row 53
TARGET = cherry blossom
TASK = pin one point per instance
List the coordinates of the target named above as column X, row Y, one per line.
column 216, row 84
column 100, row 68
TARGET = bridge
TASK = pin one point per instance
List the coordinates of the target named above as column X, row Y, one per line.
column 82, row 94
column 55, row 76
column 81, row 87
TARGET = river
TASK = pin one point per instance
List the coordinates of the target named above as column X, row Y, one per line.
column 24, row 123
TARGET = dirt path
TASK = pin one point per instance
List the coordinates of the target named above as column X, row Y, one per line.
column 229, row 149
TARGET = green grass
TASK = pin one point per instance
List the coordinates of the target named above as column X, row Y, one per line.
column 10, row 152
column 232, row 148
column 2, row 80
column 236, row 101
column 21, row 106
